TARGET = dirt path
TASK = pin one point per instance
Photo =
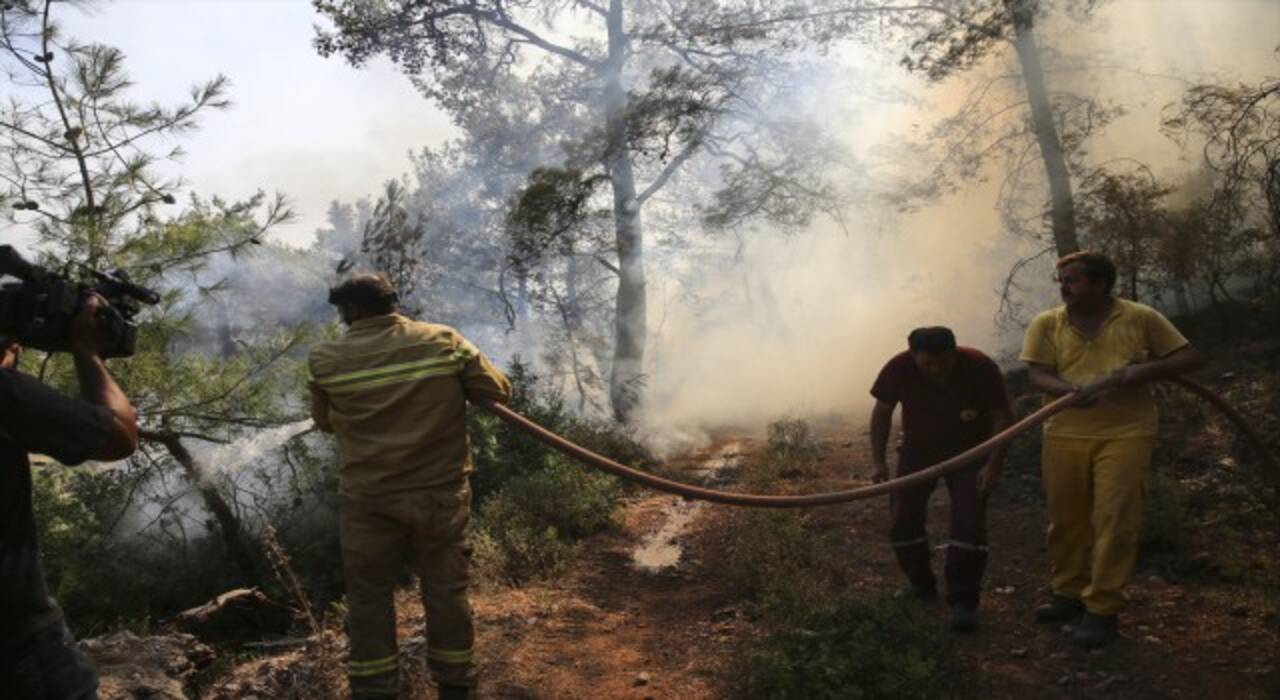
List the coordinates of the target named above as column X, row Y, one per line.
column 637, row 617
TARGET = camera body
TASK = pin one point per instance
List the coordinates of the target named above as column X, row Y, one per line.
column 38, row 309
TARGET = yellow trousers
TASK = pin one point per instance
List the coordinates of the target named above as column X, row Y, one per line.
column 1095, row 489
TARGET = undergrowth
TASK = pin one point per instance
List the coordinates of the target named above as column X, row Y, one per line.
column 534, row 504
column 821, row 640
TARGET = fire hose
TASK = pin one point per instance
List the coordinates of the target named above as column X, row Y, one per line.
column 960, row 461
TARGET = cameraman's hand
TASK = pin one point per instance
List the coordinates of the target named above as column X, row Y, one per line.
column 89, row 335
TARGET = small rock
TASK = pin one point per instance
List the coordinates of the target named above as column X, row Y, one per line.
column 724, row 614
column 1156, row 580
column 1020, row 652
column 1240, row 611
column 642, row 679
column 1065, row 680
column 1151, row 639
column 1058, row 656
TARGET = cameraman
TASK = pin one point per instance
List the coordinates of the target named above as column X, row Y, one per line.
column 38, row 656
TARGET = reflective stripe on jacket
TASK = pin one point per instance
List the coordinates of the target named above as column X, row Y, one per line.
column 393, row 391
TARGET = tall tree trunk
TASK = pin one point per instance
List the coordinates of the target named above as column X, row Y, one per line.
column 630, row 311
column 1062, row 205
column 228, row 523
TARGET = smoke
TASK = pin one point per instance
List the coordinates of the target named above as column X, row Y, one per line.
column 800, row 326
column 230, row 459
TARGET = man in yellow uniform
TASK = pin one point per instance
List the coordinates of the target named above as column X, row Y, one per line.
column 394, row 392
column 1096, row 455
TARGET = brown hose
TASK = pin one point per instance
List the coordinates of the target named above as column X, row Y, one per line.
column 831, row 498
column 1271, row 466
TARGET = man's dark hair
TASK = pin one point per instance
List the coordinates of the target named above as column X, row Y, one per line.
column 370, row 292
column 934, row 340
column 1097, row 267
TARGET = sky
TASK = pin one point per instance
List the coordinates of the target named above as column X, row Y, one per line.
column 316, row 129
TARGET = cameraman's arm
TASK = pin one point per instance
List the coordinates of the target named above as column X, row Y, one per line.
column 98, row 387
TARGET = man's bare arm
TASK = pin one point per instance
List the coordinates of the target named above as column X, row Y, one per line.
column 1046, row 380
column 1181, row 361
column 881, row 422
column 97, row 385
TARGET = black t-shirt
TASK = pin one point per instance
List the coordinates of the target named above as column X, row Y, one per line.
column 34, row 418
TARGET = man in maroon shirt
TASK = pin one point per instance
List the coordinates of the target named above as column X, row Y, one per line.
column 952, row 399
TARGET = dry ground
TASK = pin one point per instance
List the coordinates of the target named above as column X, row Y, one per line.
column 607, row 630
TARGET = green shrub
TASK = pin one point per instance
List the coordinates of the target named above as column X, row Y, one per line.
column 502, row 453
column 534, row 519
column 791, row 451
column 533, row 503
column 792, row 439
column 851, row 649
column 101, row 579
column 783, row 564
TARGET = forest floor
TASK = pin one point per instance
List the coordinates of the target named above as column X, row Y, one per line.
column 610, row 627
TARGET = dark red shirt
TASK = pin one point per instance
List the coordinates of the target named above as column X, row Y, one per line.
column 941, row 423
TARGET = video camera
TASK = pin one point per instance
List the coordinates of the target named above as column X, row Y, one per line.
column 37, row 310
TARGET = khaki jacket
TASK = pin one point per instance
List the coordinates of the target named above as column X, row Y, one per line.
column 393, row 391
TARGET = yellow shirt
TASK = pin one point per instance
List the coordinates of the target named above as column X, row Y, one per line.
column 393, row 391
column 1132, row 333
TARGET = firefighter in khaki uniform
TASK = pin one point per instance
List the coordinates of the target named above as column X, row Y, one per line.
column 1096, row 456
column 394, row 390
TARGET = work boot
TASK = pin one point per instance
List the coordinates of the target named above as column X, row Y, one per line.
column 1060, row 609
column 455, row 692
column 920, row 593
column 1095, row 631
column 963, row 618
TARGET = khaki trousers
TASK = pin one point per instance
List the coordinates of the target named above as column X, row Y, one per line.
column 379, row 534
column 1095, row 489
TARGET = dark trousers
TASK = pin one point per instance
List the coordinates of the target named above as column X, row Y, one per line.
column 967, row 546
column 48, row 666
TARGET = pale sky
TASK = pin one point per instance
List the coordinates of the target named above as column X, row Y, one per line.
column 315, row 129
